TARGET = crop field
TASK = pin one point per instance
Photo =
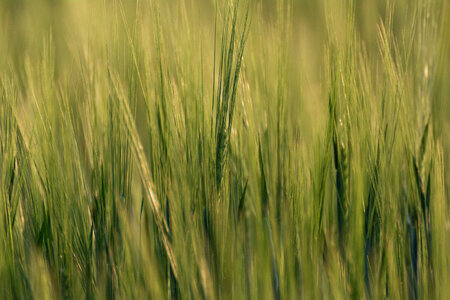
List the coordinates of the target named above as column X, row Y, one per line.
column 224, row 149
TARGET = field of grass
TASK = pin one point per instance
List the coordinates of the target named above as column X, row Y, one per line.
column 224, row 149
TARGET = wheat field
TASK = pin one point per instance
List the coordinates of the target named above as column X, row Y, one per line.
column 224, row 149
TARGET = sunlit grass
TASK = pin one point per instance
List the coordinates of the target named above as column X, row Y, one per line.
column 244, row 149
